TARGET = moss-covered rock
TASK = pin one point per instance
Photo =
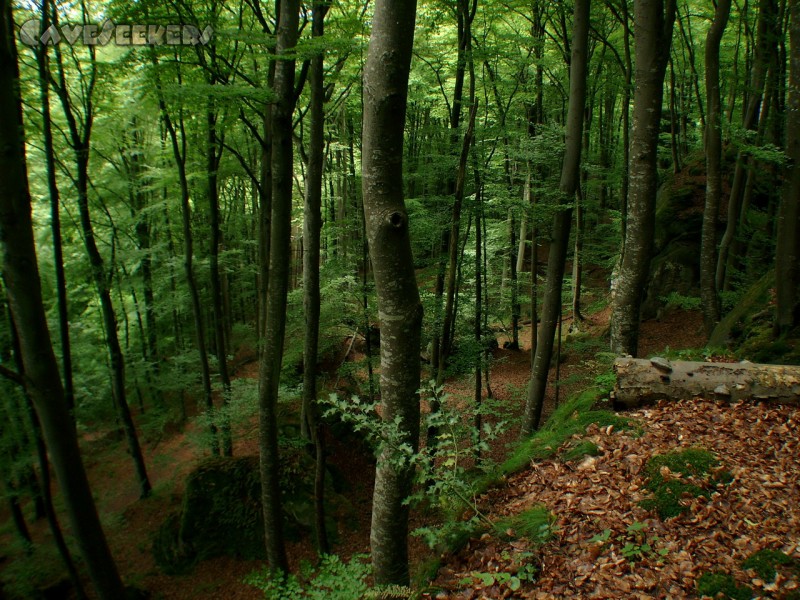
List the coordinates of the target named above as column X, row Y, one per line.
column 221, row 512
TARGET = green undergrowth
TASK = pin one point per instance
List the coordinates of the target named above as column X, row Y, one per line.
column 693, row 472
column 765, row 563
column 571, row 418
column 534, row 524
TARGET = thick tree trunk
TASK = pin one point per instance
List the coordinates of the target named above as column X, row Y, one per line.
column 279, row 267
column 21, row 277
column 641, row 381
column 562, row 221
column 713, row 142
column 787, row 279
column 385, row 93
column 654, row 23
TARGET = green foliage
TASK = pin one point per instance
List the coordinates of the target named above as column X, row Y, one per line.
column 34, row 572
column 635, row 544
column 519, row 568
column 332, row 579
column 678, row 301
column 714, row 584
column 693, row 472
column 571, row 418
column 764, row 563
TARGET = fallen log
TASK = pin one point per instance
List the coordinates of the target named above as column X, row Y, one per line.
column 646, row 381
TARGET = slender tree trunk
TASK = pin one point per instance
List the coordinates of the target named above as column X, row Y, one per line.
column 79, row 140
column 787, row 273
column 654, row 22
column 279, row 266
column 23, row 286
column 312, row 227
column 562, row 221
column 213, row 156
column 55, row 214
column 385, row 93
column 713, row 143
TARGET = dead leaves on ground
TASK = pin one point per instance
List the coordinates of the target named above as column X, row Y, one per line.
column 607, row 546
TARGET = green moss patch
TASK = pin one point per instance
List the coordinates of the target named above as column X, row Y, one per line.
column 693, row 472
column 581, row 449
column 722, row 585
column 765, row 563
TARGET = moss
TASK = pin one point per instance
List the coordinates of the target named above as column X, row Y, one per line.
column 714, row 584
column 581, row 449
column 534, row 524
column 764, row 563
column 692, row 472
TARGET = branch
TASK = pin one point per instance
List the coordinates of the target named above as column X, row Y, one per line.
column 12, row 376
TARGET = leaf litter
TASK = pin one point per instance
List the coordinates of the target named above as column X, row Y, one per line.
column 605, row 545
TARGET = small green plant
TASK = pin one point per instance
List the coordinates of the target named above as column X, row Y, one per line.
column 714, row 584
column 692, row 472
column 764, row 563
column 606, row 382
column 635, row 544
column 520, row 569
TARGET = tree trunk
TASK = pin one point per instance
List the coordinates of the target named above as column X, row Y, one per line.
column 312, row 226
column 385, row 93
column 23, row 286
column 653, row 37
column 79, row 136
column 713, row 142
column 213, row 157
column 562, row 221
column 279, row 266
column 787, row 272
column 641, row 381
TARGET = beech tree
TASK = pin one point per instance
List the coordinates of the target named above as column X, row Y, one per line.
column 562, row 220
column 23, row 287
column 385, row 93
column 654, row 21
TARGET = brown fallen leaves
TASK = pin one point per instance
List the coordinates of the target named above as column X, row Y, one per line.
column 606, row 546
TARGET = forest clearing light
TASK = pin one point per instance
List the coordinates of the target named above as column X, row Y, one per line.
column 90, row 34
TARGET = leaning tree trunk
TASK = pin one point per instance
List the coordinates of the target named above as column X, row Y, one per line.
column 279, row 267
column 713, row 140
column 653, row 36
column 385, row 93
column 787, row 272
column 23, row 286
column 641, row 381
column 562, row 221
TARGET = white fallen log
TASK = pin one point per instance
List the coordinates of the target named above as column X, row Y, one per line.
column 646, row 381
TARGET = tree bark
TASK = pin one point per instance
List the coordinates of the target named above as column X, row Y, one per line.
column 713, row 141
column 641, row 381
column 79, row 136
column 21, row 277
column 562, row 221
column 312, row 226
column 400, row 310
column 653, row 34
column 787, row 272
column 279, row 267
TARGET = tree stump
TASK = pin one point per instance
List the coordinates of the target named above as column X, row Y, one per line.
column 646, row 381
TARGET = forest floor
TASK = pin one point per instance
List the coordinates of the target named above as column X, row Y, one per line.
column 591, row 499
